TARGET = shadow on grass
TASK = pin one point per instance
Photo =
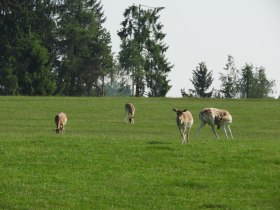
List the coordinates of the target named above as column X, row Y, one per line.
column 167, row 148
column 214, row 206
column 157, row 142
column 276, row 162
column 190, row 184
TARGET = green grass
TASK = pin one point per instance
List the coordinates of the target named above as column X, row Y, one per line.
column 102, row 163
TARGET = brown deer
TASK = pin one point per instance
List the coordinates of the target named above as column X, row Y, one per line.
column 184, row 122
column 60, row 121
column 129, row 113
column 216, row 117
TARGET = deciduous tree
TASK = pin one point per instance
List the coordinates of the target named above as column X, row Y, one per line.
column 229, row 86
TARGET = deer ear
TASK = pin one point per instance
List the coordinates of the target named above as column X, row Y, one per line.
column 184, row 110
column 175, row 110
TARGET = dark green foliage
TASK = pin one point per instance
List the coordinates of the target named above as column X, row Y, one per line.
column 84, row 48
column 26, row 48
column 254, row 84
column 158, row 84
column 249, row 82
column 246, row 81
column 202, row 80
column 34, row 76
column 142, row 52
column 53, row 47
column 263, row 86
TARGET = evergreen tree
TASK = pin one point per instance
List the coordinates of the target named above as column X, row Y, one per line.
column 263, row 86
column 229, row 84
column 142, row 52
column 33, row 68
column 84, row 48
column 246, row 81
column 26, row 50
column 254, row 84
column 202, row 80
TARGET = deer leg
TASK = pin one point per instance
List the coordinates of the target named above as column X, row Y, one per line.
column 214, row 131
column 125, row 118
column 229, row 131
column 188, row 134
column 225, row 130
column 182, row 132
column 202, row 124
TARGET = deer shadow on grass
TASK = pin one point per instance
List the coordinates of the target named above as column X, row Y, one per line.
column 157, row 142
column 159, row 145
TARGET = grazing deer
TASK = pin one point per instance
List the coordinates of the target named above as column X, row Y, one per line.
column 129, row 113
column 184, row 122
column 60, row 121
column 220, row 118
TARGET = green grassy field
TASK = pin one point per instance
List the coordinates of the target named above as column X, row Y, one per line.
column 102, row 163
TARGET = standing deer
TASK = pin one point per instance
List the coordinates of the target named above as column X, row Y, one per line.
column 60, row 121
column 129, row 113
column 220, row 118
column 184, row 122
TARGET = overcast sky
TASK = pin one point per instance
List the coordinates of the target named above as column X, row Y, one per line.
column 209, row 31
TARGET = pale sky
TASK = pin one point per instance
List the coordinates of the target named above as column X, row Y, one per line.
column 209, row 31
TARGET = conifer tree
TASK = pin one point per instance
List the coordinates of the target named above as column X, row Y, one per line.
column 202, row 80
column 27, row 47
column 253, row 83
column 84, row 48
column 142, row 52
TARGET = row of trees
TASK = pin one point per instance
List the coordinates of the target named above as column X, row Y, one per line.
column 60, row 47
column 247, row 82
column 53, row 47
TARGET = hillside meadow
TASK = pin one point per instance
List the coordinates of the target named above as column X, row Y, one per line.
column 102, row 163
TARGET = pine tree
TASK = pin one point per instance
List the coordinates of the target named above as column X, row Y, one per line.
column 142, row 52
column 26, row 45
column 263, row 86
column 202, row 80
column 84, row 48
column 246, row 81
column 253, row 83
